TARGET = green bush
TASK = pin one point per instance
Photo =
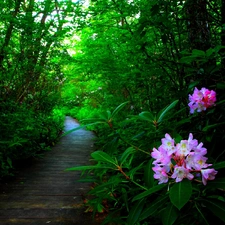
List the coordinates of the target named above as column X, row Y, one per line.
column 25, row 133
column 123, row 175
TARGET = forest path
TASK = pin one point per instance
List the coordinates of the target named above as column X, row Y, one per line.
column 43, row 193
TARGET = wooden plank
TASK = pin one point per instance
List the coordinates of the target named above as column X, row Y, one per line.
column 43, row 192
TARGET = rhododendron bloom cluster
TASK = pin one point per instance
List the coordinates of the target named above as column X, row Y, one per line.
column 182, row 160
column 201, row 100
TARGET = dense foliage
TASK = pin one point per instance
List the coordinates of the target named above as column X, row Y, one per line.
column 31, row 50
column 136, row 63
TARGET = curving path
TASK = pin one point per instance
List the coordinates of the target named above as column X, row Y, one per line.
column 43, row 193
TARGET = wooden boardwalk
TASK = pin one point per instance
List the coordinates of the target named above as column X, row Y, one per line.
column 43, row 193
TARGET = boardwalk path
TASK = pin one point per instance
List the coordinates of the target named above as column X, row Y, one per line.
column 44, row 193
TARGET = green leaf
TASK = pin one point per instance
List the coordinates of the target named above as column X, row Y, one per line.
column 125, row 198
column 220, row 86
column 217, row 183
column 135, row 212
column 206, row 128
column 149, row 191
column 199, row 53
column 105, row 116
column 153, row 207
column 101, row 188
column 126, row 154
column 187, row 59
column 148, row 174
column 193, row 84
column 118, row 109
column 169, row 215
column 147, row 116
column 220, row 102
column 132, row 172
column 219, row 165
column 202, row 215
column 83, row 168
column 217, row 207
column 209, row 52
column 166, row 110
column 103, row 157
column 180, row 193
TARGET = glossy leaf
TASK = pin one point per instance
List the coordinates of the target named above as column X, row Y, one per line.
column 180, row 193
column 147, row 116
column 103, row 157
column 126, row 154
column 169, row 215
column 118, row 109
column 206, row 128
column 153, row 207
column 83, row 168
column 148, row 174
column 217, row 207
column 201, row 213
column 149, row 191
column 199, row 53
column 135, row 212
column 217, row 183
column 105, row 115
column 125, row 198
column 219, row 165
column 166, row 110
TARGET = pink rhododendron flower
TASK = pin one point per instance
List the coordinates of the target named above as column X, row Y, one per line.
column 208, row 174
column 168, row 144
column 181, row 172
column 182, row 160
column 202, row 99
column 161, row 174
column 161, row 156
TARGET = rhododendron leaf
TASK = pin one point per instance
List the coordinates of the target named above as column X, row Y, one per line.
column 148, row 174
column 91, row 167
column 180, row 193
column 102, row 157
column 149, row 191
column 219, row 165
column 129, row 151
column 166, row 110
column 197, row 52
column 147, row 116
column 106, row 115
column 118, row 108
column 135, row 212
column 220, row 102
column 169, row 215
column 202, row 215
column 217, row 207
column 153, row 207
column 212, row 126
column 217, row 183
column 193, row 84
